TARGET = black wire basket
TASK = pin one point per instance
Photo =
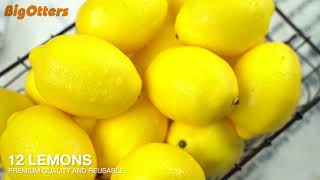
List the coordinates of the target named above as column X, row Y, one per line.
column 13, row 76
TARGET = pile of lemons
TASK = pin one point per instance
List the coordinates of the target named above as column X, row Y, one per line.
column 162, row 89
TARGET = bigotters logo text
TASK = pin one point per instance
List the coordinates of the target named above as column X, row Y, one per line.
column 33, row 10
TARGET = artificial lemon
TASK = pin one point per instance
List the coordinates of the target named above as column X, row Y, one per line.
column 6, row 177
column 86, row 123
column 31, row 89
column 192, row 85
column 11, row 102
column 269, row 78
column 45, row 131
column 175, row 5
column 85, row 76
column 158, row 161
column 164, row 40
column 216, row 147
column 128, row 24
column 116, row 137
column 228, row 27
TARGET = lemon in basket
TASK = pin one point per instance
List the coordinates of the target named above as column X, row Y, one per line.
column 85, row 76
column 269, row 78
column 31, row 89
column 6, row 177
column 216, row 147
column 11, row 102
column 227, row 27
column 46, row 132
column 127, row 24
column 165, row 39
column 191, row 85
column 158, row 161
column 175, row 5
column 85, row 123
column 116, row 137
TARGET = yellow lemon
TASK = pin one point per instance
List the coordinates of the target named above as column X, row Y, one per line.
column 86, row 123
column 192, row 85
column 11, row 102
column 175, row 5
column 128, row 24
column 269, row 78
column 6, row 177
column 116, row 137
column 158, row 161
column 165, row 39
column 216, row 147
column 42, row 132
column 228, row 27
column 85, row 76
column 31, row 89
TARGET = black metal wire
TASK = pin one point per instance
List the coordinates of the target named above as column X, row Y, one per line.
column 25, row 57
column 298, row 30
column 267, row 141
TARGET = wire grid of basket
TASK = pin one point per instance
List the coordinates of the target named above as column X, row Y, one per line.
column 301, row 38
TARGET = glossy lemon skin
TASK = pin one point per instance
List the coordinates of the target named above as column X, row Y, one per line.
column 116, row 137
column 31, row 89
column 165, row 39
column 11, row 102
column 269, row 78
column 128, row 24
column 228, row 27
column 175, row 5
column 216, row 147
column 85, row 76
column 157, row 161
column 191, row 85
column 45, row 130
column 87, row 124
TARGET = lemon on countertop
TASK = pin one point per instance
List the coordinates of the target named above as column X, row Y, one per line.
column 216, row 147
column 269, row 78
column 191, row 85
column 47, row 131
column 115, row 137
column 127, row 24
column 228, row 27
column 85, row 76
column 158, row 161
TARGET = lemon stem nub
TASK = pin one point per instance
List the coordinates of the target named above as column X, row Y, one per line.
column 236, row 101
column 182, row 144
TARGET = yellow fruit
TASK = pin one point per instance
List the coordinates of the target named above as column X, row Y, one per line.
column 191, row 85
column 86, row 123
column 128, row 24
column 31, row 89
column 164, row 40
column 228, row 27
column 116, row 137
column 85, row 76
column 216, row 147
column 47, row 131
column 6, row 177
column 175, row 5
column 158, row 161
column 11, row 102
column 269, row 78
